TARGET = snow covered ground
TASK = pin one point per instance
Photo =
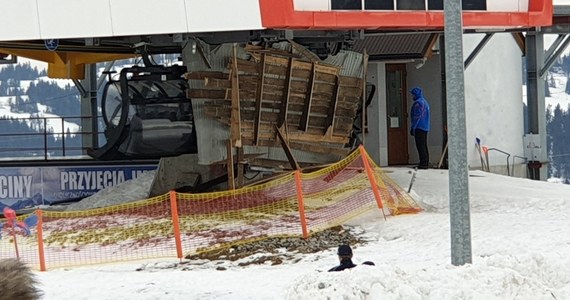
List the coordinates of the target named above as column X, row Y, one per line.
column 521, row 240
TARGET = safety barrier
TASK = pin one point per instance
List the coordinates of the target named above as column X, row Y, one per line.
column 178, row 224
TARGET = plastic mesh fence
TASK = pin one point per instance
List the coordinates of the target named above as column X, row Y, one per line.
column 178, row 224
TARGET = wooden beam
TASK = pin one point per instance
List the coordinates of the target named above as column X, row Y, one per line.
column 235, row 129
column 241, row 162
column 286, row 94
column 329, row 123
column 520, row 40
column 287, row 150
column 205, row 94
column 259, row 99
column 203, row 74
column 304, row 123
column 310, row 147
column 217, row 83
column 301, row 69
column 364, row 71
column 230, row 165
column 304, row 51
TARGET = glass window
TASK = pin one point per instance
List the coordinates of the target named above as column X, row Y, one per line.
column 411, row 5
column 346, row 4
column 474, row 4
column 435, row 4
column 379, row 4
column 465, row 4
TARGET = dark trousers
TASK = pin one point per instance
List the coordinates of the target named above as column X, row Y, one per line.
column 421, row 145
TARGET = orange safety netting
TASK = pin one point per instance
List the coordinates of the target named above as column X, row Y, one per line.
column 177, row 224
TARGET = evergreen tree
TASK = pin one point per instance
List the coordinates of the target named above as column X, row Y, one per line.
column 558, row 147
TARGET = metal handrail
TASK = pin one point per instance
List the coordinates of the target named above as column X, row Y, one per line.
column 61, row 138
column 506, row 153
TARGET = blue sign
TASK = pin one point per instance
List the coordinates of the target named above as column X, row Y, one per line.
column 29, row 187
column 52, row 44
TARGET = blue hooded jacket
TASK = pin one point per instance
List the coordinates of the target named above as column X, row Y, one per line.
column 420, row 111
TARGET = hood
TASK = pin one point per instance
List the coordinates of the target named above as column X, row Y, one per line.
column 417, row 93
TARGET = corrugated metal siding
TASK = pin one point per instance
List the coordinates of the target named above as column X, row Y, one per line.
column 211, row 134
column 349, row 61
column 395, row 45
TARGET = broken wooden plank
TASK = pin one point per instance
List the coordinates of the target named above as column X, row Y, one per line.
column 286, row 94
column 216, row 83
column 280, row 67
column 259, row 98
column 235, row 129
column 284, row 62
column 310, row 55
column 342, row 121
column 241, row 162
column 311, row 147
column 304, row 122
column 230, row 165
column 313, row 134
column 349, row 81
column 364, row 71
column 332, row 110
column 224, row 83
column 205, row 94
column 200, row 75
column 327, row 69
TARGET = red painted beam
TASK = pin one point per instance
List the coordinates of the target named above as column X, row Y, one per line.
column 280, row 14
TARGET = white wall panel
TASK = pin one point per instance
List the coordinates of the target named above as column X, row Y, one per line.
column 71, row 19
column 493, row 98
column 507, row 5
column 312, row 5
column 19, row 20
column 223, row 15
column 132, row 17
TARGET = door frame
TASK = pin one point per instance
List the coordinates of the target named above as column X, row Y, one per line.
column 401, row 133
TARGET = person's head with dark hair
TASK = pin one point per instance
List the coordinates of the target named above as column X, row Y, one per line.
column 368, row 263
column 344, row 251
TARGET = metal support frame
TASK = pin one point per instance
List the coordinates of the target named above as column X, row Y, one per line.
column 535, row 95
column 89, row 107
column 101, row 79
column 8, row 60
column 477, row 50
column 553, row 53
column 80, row 87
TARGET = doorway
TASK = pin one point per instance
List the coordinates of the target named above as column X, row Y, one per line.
column 397, row 114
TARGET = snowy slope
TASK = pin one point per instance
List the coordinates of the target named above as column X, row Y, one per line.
column 521, row 240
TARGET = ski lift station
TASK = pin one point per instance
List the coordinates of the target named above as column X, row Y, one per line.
column 268, row 85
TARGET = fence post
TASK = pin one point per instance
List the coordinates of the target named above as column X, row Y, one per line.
column 40, row 230
column 301, row 203
column 175, row 223
column 371, row 178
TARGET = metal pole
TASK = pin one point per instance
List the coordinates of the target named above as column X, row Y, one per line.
column 458, row 171
column 94, row 107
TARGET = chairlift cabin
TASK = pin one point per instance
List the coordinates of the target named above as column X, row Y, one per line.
column 146, row 114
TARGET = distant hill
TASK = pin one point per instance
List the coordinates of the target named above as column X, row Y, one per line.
column 32, row 104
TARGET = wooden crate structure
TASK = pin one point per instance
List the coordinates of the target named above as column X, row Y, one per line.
column 308, row 102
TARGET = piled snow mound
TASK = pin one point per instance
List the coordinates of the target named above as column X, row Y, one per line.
column 128, row 191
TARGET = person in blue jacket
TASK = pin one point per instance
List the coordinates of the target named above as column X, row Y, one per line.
column 420, row 125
